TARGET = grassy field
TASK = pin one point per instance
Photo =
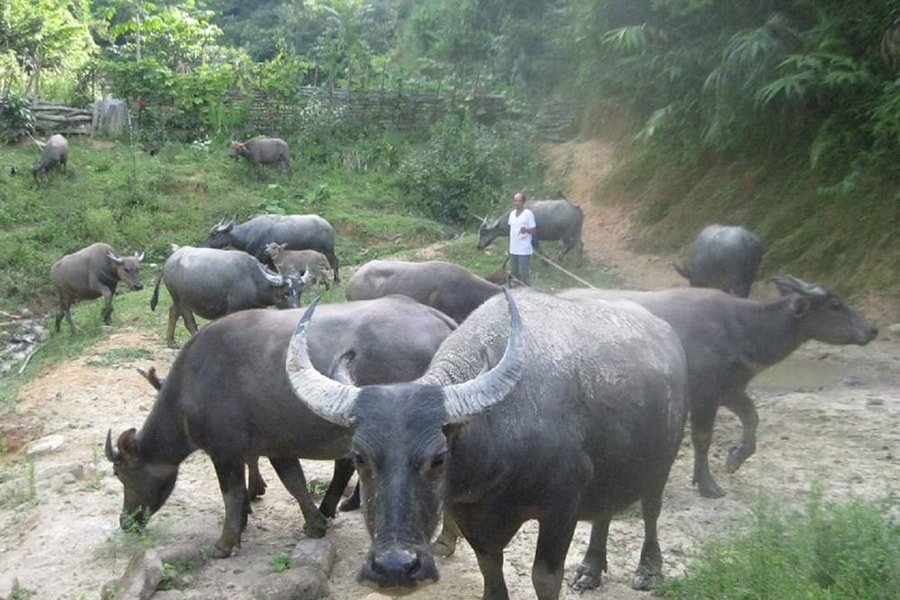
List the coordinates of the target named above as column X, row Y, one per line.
column 141, row 203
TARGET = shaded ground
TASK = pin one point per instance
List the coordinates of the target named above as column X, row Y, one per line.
column 829, row 416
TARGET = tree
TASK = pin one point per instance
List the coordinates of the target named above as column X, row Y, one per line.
column 40, row 37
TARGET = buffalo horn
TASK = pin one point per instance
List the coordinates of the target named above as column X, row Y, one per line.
column 273, row 278
column 139, row 257
column 465, row 400
column 114, row 257
column 331, row 400
column 112, row 453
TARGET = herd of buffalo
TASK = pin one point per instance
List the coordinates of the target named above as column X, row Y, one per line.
column 455, row 399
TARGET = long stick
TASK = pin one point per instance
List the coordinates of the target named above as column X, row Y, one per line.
column 27, row 358
column 569, row 273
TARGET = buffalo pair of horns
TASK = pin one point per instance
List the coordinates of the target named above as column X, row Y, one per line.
column 797, row 285
column 334, row 401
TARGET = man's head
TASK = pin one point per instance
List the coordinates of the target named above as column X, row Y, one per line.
column 519, row 200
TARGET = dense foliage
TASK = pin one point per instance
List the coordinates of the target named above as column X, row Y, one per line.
column 714, row 86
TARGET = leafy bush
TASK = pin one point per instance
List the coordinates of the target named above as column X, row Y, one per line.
column 16, row 118
column 464, row 168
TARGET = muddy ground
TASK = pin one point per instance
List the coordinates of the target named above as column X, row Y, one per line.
column 829, row 417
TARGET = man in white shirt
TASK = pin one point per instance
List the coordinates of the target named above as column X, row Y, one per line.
column 521, row 230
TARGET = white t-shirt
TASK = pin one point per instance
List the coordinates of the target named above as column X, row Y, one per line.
column 520, row 243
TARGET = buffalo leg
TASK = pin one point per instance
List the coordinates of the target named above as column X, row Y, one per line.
column 343, row 472
column 231, row 482
column 648, row 575
column 107, row 311
column 353, row 502
column 589, row 573
column 190, row 322
column 554, row 536
column 170, row 327
column 743, row 407
column 335, row 263
column 445, row 544
column 291, row 474
column 491, row 566
column 256, row 485
column 702, row 420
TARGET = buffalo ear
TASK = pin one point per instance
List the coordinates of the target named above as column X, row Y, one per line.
column 801, row 306
column 127, row 443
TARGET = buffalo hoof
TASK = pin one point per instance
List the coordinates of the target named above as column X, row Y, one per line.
column 736, row 457
column 710, row 489
column 444, row 546
column 644, row 579
column 315, row 528
column 221, row 551
column 585, row 578
column 350, row 504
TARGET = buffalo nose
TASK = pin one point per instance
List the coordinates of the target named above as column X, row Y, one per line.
column 396, row 567
column 139, row 286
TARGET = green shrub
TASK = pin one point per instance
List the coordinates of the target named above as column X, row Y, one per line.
column 16, row 118
column 833, row 551
column 465, row 168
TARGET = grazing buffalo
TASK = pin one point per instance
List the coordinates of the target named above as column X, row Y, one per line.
column 90, row 273
column 295, row 232
column 453, row 290
column 263, row 151
column 577, row 413
column 729, row 340
column 312, row 262
column 556, row 220
column 228, row 395
column 725, row 258
column 55, row 154
column 214, row 283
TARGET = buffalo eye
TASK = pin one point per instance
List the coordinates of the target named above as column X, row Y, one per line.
column 359, row 461
column 836, row 305
column 437, row 461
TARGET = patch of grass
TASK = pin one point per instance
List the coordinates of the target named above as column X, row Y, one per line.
column 832, row 550
column 116, row 356
column 282, row 562
column 175, row 575
column 19, row 489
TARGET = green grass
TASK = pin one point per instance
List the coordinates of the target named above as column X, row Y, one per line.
column 832, row 551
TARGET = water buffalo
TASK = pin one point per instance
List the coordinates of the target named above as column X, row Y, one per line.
column 296, row 232
column 228, row 395
column 213, row 283
column 578, row 417
column 725, row 258
column 263, row 151
column 453, row 290
column 729, row 340
column 300, row 262
column 90, row 273
column 55, row 154
column 556, row 220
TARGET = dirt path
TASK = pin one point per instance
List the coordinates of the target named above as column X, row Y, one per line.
column 829, row 416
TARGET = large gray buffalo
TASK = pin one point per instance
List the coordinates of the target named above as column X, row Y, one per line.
column 90, row 273
column 295, row 232
column 556, row 220
column 453, row 290
column 724, row 258
column 54, row 155
column 214, row 283
column 729, row 340
column 566, row 413
column 263, row 151
column 228, row 395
